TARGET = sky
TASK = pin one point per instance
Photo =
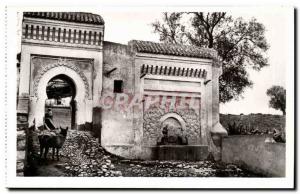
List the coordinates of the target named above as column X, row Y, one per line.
column 124, row 26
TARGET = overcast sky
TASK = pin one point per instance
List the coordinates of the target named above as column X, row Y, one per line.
column 124, row 26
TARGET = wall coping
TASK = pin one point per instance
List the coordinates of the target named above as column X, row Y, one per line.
column 259, row 135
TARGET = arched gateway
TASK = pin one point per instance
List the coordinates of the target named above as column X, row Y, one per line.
column 71, row 44
column 38, row 102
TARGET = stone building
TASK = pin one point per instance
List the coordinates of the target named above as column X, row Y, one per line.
column 124, row 94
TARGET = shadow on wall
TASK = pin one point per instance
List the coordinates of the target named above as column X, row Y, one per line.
column 96, row 126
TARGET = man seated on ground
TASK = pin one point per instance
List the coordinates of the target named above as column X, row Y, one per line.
column 278, row 136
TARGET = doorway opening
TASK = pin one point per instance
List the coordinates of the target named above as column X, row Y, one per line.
column 60, row 106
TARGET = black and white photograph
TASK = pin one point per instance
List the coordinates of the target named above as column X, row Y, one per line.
column 171, row 95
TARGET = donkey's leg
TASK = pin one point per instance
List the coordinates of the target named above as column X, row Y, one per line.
column 53, row 152
column 41, row 151
column 57, row 154
column 46, row 152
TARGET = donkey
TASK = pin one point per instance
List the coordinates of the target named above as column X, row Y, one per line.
column 52, row 141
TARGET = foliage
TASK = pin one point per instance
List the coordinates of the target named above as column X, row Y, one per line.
column 277, row 95
column 255, row 124
column 171, row 31
column 235, row 128
column 240, row 44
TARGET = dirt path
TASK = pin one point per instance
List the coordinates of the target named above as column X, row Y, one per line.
column 83, row 156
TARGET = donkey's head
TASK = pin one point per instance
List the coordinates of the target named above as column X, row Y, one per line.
column 64, row 131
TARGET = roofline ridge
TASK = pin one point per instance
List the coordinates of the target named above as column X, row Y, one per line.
column 174, row 49
column 174, row 44
column 72, row 16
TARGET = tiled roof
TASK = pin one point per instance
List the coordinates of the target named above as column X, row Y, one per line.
column 78, row 17
column 172, row 49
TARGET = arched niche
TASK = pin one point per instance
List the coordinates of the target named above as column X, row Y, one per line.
column 174, row 116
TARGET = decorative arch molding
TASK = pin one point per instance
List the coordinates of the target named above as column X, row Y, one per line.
column 65, row 64
column 37, row 106
column 175, row 116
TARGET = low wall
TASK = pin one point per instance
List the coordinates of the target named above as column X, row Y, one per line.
column 32, row 152
column 21, row 143
column 61, row 116
column 21, row 153
column 255, row 153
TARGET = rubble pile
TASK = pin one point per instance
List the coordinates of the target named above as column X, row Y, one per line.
column 85, row 157
column 182, row 169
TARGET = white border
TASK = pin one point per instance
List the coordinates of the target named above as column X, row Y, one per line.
column 120, row 182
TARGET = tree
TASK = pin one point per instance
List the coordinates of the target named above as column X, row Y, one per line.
column 240, row 44
column 277, row 95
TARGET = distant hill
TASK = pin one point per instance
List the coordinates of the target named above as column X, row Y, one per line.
column 262, row 122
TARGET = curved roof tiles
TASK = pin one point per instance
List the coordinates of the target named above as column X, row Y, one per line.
column 78, row 17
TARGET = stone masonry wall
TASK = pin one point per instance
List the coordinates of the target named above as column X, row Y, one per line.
column 21, row 143
column 21, row 153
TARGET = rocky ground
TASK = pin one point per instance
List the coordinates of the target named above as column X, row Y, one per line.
column 82, row 155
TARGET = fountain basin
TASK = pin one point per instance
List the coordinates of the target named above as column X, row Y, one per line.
column 182, row 152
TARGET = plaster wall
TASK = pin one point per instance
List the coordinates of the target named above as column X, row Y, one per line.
column 117, row 122
column 122, row 131
column 256, row 153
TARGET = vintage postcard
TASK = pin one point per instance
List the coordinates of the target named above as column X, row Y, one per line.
column 140, row 97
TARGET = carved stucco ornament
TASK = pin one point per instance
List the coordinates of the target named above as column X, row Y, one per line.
column 61, row 62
